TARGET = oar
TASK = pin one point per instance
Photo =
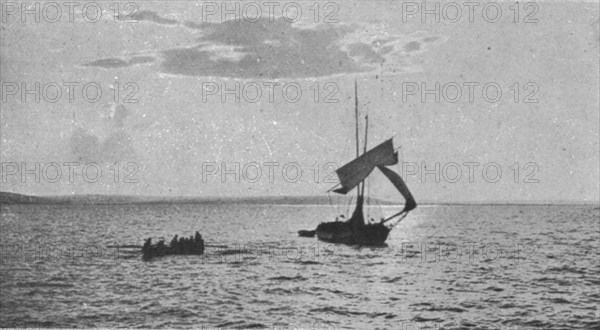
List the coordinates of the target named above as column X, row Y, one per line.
column 134, row 246
column 127, row 246
column 307, row 233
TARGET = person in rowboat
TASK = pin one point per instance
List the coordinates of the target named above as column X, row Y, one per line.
column 147, row 245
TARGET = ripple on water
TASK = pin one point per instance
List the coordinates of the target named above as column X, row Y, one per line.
column 350, row 287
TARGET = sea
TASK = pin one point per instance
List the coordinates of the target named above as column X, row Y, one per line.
column 443, row 267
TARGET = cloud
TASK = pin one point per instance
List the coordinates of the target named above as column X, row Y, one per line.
column 86, row 147
column 263, row 50
column 280, row 49
column 114, row 62
column 151, row 16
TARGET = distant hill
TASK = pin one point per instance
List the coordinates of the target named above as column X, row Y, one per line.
column 12, row 198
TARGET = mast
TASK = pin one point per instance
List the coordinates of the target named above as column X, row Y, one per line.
column 356, row 127
column 362, row 190
column 364, row 183
column 356, row 116
column 366, row 131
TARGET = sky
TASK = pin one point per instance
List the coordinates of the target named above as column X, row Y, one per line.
column 197, row 102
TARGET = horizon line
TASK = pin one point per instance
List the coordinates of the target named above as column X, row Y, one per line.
column 213, row 198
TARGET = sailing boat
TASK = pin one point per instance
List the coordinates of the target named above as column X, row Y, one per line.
column 352, row 176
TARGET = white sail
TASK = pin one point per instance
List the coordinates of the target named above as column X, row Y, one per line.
column 356, row 171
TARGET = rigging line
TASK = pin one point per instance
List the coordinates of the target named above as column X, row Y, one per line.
column 393, row 216
column 368, row 183
column 380, row 210
column 356, row 116
column 348, row 205
column 356, row 125
column 399, row 220
column 365, row 147
column 330, row 203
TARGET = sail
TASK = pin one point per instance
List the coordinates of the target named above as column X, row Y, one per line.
column 401, row 186
column 356, row 171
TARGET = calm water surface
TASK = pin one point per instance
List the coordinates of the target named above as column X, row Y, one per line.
column 444, row 267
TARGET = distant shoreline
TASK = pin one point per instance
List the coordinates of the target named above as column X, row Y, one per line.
column 13, row 198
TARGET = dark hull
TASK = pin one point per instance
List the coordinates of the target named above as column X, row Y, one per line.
column 342, row 233
column 155, row 251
